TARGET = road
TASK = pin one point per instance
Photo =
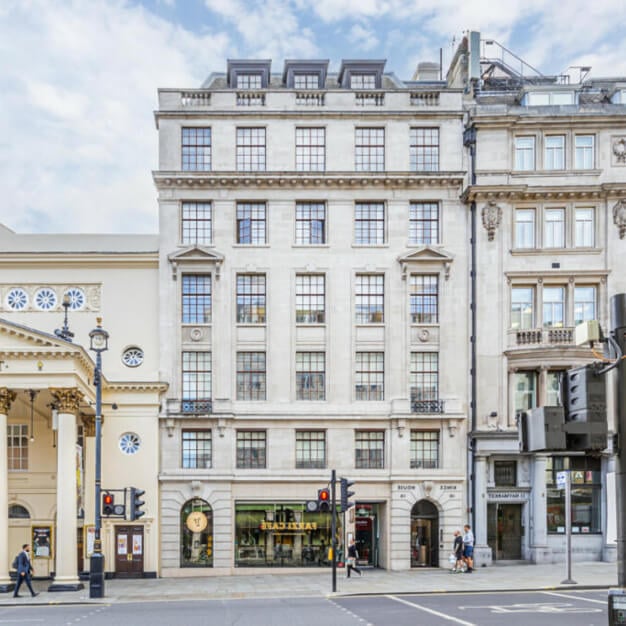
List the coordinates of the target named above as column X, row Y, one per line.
column 556, row 608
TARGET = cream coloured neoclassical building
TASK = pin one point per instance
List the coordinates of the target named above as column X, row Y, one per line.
column 47, row 400
column 313, row 315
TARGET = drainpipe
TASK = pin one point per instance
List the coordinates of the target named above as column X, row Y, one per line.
column 469, row 141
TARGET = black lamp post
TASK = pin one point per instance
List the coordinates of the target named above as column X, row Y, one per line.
column 98, row 343
column 65, row 332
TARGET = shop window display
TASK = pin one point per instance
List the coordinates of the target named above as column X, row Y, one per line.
column 196, row 522
column 282, row 535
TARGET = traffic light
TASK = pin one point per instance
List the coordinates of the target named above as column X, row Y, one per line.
column 323, row 500
column 136, row 503
column 345, row 494
column 541, row 429
column 108, row 504
column 584, row 402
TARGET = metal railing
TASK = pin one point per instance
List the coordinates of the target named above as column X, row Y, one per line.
column 196, row 407
column 427, row 406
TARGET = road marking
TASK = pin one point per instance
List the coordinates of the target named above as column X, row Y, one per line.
column 572, row 597
column 431, row 611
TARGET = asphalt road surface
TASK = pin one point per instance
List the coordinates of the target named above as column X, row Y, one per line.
column 553, row 608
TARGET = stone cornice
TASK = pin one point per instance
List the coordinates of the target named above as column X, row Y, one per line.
column 528, row 119
column 81, row 259
column 552, row 193
column 137, row 386
column 303, row 180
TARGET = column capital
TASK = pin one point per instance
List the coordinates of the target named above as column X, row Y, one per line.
column 67, row 399
column 89, row 425
column 6, row 399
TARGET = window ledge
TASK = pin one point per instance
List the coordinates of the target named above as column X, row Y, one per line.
column 251, row 245
column 310, row 245
column 564, row 172
column 370, row 245
column 553, row 251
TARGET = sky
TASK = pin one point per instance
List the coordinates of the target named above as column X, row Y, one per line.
column 79, row 79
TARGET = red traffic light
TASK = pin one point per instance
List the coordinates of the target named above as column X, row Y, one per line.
column 107, row 499
column 323, row 495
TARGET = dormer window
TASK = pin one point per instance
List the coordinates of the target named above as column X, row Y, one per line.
column 362, row 81
column 306, row 81
column 249, row 81
column 547, row 98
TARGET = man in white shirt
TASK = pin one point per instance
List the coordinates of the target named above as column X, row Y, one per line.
column 468, row 548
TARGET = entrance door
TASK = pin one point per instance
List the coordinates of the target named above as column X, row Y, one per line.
column 129, row 551
column 504, row 531
column 365, row 526
column 424, row 535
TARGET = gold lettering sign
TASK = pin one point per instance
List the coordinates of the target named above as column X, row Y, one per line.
column 197, row 521
column 288, row 525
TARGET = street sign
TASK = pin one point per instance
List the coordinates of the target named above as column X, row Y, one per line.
column 561, row 480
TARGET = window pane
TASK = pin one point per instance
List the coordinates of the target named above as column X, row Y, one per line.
column 310, row 223
column 423, row 223
column 584, row 304
column 370, row 375
column 250, row 149
column 424, row 149
column 555, row 152
column 310, row 449
column 310, row 376
column 525, row 228
column 363, row 81
column 369, row 298
column 251, row 376
column 424, row 299
column 251, row 449
column 196, row 225
column 524, row 153
column 17, row 446
column 424, row 449
column 370, row 150
column 251, row 298
column 196, row 149
column 369, row 448
column 553, row 307
column 196, row 299
column 310, row 299
column 196, row 449
column 554, row 228
column 584, row 152
column 522, row 307
column 369, row 223
column 248, row 81
column 585, row 228
column 525, row 390
column 251, row 223
column 196, row 381
column 424, row 376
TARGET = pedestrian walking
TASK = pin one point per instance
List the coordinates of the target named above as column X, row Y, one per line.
column 468, row 548
column 457, row 551
column 24, row 571
column 353, row 555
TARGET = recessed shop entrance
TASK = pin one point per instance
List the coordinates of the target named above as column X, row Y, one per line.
column 424, row 535
column 366, row 533
column 504, row 530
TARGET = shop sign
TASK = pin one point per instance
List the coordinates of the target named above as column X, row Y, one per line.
column 507, row 495
column 197, row 521
column 288, row 526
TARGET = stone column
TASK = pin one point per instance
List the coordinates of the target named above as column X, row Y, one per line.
column 539, row 552
column 66, row 571
column 482, row 552
column 89, row 476
column 6, row 398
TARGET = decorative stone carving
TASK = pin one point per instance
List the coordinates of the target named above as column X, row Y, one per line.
column 89, row 425
column 428, row 486
column 619, row 149
column 195, row 334
column 67, row 400
column 6, row 399
column 619, row 217
column 492, row 216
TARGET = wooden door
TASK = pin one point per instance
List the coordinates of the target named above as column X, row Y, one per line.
column 129, row 551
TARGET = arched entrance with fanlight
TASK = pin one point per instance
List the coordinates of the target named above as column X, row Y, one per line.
column 196, row 526
column 424, row 534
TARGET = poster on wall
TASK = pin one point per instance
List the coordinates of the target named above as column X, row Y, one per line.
column 122, row 544
column 90, row 539
column 137, row 544
column 42, row 542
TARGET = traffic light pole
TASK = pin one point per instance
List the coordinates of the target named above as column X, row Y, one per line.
column 618, row 318
column 333, row 526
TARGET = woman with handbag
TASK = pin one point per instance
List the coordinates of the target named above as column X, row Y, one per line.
column 353, row 555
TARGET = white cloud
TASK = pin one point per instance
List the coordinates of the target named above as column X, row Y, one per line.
column 78, row 140
column 364, row 38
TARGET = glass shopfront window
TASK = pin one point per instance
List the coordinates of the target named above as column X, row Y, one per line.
column 196, row 524
column 586, row 481
column 281, row 534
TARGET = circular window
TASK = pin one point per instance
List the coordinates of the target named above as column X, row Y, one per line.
column 45, row 299
column 17, row 299
column 130, row 443
column 132, row 357
column 77, row 298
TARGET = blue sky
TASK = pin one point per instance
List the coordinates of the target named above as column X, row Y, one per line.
column 78, row 80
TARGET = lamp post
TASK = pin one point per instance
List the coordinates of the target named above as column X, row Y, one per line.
column 98, row 343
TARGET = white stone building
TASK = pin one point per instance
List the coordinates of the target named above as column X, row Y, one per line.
column 549, row 196
column 313, row 315
column 47, row 399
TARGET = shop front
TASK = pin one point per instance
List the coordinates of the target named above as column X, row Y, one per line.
column 506, row 530
column 366, row 531
column 282, row 534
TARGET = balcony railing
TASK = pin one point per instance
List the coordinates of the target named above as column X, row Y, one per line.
column 370, row 98
column 310, row 98
column 250, row 98
column 427, row 406
column 195, row 98
column 543, row 337
column 196, row 407
column 425, row 98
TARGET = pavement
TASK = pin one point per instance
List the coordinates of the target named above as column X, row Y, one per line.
column 317, row 583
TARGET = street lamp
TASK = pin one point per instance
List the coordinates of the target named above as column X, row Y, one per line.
column 98, row 343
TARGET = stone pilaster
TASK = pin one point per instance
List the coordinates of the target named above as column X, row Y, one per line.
column 482, row 552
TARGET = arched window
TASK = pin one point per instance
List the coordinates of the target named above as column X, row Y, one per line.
column 424, row 535
column 17, row 511
column 196, row 532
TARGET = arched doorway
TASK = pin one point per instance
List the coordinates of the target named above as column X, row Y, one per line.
column 196, row 530
column 424, row 535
